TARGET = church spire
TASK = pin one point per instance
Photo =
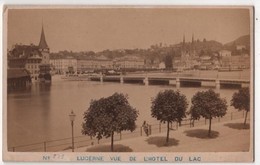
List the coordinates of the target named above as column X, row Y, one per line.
column 192, row 38
column 183, row 39
column 43, row 43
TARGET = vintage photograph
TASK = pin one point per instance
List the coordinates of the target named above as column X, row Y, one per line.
column 136, row 80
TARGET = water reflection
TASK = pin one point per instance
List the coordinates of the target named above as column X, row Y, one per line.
column 41, row 113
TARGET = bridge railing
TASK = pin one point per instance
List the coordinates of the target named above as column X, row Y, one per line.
column 84, row 141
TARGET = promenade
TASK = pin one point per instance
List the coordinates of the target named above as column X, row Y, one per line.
column 228, row 136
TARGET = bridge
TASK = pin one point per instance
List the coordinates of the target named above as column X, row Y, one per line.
column 178, row 81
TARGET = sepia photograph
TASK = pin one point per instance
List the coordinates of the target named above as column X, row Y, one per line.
column 128, row 83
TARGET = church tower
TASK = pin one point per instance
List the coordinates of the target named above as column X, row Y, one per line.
column 44, row 49
column 192, row 51
column 44, row 74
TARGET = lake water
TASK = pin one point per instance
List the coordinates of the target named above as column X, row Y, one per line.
column 41, row 113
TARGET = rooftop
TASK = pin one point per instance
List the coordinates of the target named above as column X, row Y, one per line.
column 43, row 43
column 17, row 73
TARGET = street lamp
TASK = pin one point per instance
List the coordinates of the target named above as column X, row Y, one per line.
column 72, row 118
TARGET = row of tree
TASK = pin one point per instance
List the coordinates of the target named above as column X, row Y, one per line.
column 113, row 114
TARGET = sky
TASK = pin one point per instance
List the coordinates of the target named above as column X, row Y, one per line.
column 97, row 29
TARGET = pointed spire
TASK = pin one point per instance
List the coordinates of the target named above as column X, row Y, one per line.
column 183, row 39
column 43, row 43
column 192, row 38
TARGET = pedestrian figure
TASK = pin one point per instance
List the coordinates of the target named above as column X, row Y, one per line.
column 145, row 127
column 191, row 122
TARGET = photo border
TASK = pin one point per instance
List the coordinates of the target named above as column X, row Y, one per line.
column 207, row 157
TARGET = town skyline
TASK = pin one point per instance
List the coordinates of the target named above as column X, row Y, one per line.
column 84, row 36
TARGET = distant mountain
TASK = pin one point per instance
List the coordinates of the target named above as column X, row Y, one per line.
column 243, row 40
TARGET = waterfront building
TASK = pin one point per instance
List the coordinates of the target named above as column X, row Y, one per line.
column 27, row 57
column 56, row 64
column 225, row 53
column 16, row 61
column 240, row 47
column 130, row 62
column 206, row 62
column 31, row 57
column 63, row 65
column 84, row 64
column 33, row 66
column 102, row 64
column 235, row 62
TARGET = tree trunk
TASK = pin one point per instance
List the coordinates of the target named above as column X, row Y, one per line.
column 168, row 130
column 209, row 126
column 112, row 141
column 245, row 118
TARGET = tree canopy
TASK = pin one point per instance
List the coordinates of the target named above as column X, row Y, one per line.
column 241, row 100
column 108, row 115
column 169, row 106
column 208, row 104
column 168, row 62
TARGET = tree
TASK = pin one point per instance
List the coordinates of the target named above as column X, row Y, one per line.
column 169, row 106
column 207, row 104
column 194, row 115
column 168, row 62
column 108, row 115
column 241, row 101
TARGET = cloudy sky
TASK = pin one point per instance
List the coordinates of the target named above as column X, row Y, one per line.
column 115, row 28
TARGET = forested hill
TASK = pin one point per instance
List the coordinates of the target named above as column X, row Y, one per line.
column 159, row 51
column 243, row 40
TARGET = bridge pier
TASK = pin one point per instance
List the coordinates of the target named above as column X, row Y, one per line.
column 101, row 78
column 146, row 81
column 217, row 84
column 178, row 83
column 121, row 80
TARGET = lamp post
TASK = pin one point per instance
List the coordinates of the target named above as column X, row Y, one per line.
column 72, row 118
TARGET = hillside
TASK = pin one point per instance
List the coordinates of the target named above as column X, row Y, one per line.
column 158, row 52
column 243, row 40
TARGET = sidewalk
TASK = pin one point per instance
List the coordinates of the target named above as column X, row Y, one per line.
column 226, row 137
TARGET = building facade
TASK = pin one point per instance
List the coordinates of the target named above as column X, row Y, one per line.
column 63, row 65
column 225, row 53
column 31, row 57
column 33, row 66
column 236, row 62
